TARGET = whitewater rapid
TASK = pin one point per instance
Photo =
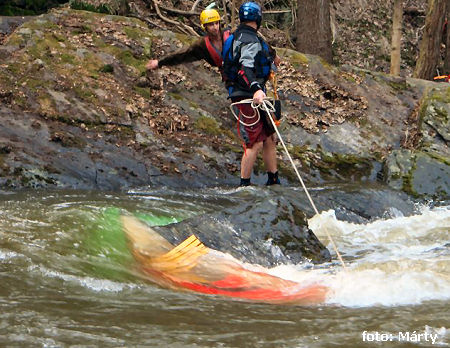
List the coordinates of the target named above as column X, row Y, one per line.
column 389, row 262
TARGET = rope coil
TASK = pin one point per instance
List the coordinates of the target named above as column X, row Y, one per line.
column 269, row 108
column 238, row 117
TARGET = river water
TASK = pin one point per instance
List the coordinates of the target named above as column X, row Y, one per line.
column 63, row 283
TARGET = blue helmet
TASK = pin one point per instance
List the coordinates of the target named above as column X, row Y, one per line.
column 249, row 12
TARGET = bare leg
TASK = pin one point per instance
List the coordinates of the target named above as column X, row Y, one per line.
column 248, row 159
column 270, row 155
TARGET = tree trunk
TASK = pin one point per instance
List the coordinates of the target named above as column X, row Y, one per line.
column 314, row 29
column 447, row 43
column 397, row 22
column 429, row 52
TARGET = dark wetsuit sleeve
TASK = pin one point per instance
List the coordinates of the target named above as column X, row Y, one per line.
column 192, row 53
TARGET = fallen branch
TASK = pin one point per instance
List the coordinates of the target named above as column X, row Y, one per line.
column 414, row 11
column 276, row 11
column 181, row 26
column 148, row 21
column 137, row 12
column 195, row 5
column 174, row 10
column 225, row 15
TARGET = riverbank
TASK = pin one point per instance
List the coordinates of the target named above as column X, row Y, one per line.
column 80, row 112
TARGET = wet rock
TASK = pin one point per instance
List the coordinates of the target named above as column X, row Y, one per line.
column 437, row 116
column 419, row 173
column 431, row 176
column 267, row 230
column 396, row 166
column 360, row 205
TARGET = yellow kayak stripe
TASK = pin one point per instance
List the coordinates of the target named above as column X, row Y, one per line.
column 183, row 249
column 187, row 244
column 183, row 256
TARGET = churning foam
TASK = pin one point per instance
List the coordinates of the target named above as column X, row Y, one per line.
column 398, row 261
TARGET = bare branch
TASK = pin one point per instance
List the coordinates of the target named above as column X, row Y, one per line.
column 262, row 36
column 195, row 5
column 174, row 10
column 414, row 11
column 138, row 13
column 183, row 27
column 148, row 21
column 224, row 4
column 233, row 13
column 276, row 11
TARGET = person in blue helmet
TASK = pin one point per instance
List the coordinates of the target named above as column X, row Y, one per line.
column 250, row 58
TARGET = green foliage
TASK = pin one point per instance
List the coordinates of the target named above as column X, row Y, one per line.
column 84, row 93
column 207, row 125
column 144, row 92
column 107, row 68
column 398, row 86
column 132, row 33
column 81, row 5
column 67, row 58
column 28, row 7
column 127, row 58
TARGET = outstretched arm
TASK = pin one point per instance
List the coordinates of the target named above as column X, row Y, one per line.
column 192, row 53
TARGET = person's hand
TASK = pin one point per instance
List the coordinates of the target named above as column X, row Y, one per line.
column 258, row 97
column 152, row 64
column 277, row 60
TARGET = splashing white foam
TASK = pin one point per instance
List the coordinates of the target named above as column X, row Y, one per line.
column 398, row 261
column 88, row 282
column 8, row 255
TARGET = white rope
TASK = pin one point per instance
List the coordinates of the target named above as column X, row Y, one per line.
column 254, row 108
column 267, row 106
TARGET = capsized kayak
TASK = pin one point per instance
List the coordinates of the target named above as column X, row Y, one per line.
column 104, row 239
column 194, row 267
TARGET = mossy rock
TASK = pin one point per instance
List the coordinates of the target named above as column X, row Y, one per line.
column 435, row 112
column 418, row 173
column 347, row 167
column 297, row 59
column 208, row 125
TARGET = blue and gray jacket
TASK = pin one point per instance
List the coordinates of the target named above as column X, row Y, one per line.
column 248, row 65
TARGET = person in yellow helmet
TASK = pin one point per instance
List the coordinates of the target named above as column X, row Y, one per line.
column 208, row 47
column 209, row 15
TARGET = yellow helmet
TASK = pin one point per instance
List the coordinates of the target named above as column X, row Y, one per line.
column 209, row 16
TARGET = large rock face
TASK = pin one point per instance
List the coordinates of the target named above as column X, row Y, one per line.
column 266, row 230
column 269, row 226
column 79, row 110
column 424, row 168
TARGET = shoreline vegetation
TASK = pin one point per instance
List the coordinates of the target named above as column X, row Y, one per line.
column 80, row 111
